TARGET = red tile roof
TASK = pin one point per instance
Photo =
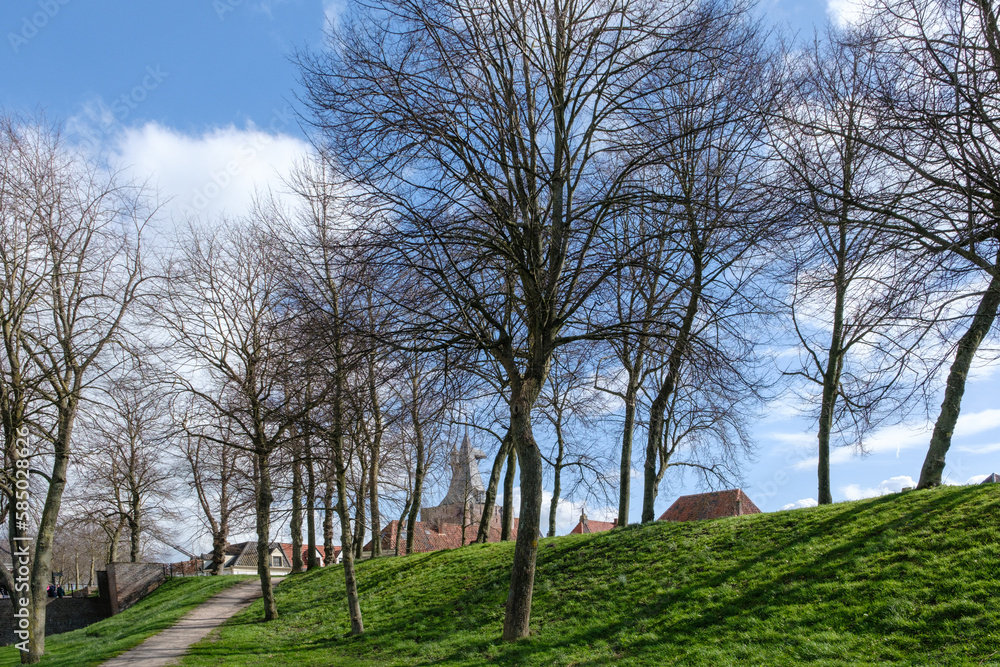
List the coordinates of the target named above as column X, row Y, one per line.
column 287, row 549
column 428, row 537
column 585, row 525
column 710, row 506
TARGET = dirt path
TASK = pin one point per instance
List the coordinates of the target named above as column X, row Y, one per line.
column 169, row 645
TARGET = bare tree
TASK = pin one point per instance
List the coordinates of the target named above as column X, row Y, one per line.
column 716, row 215
column 496, row 136
column 126, row 439
column 329, row 296
column 936, row 101
column 223, row 313
column 70, row 269
column 570, row 404
column 214, row 469
column 855, row 295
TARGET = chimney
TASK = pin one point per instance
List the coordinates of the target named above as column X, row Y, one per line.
column 614, row 522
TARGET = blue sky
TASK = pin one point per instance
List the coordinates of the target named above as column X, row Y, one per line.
column 197, row 97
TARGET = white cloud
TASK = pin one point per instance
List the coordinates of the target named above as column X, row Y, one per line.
column 976, row 479
column 804, row 502
column 977, row 422
column 980, row 449
column 891, row 485
column 908, row 436
column 844, row 12
column 214, row 173
column 332, row 10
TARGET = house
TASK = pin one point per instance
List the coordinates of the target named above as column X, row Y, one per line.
column 320, row 553
column 992, row 479
column 440, row 527
column 714, row 505
column 586, row 526
column 241, row 558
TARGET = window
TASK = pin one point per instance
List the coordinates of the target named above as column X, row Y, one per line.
column 275, row 561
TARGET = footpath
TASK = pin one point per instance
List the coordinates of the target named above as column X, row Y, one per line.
column 168, row 646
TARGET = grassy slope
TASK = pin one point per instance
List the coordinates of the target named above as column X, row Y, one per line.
column 99, row 642
column 902, row 579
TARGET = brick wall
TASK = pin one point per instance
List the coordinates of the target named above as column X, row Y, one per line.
column 61, row 615
column 130, row 582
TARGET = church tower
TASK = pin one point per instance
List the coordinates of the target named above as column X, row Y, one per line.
column 466, row 493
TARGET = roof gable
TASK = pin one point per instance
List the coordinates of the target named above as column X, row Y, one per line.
column 434, row 537
column 586, row 526
column 714, row 505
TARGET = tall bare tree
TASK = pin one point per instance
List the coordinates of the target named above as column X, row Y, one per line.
column 222, row 310
column 936, row 101
column 715, row 213
column 70, row 270
column 855, row 294
column 497, row 137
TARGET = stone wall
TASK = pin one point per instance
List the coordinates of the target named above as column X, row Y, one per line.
column 130, row 582
column 61, row 615
column 121, row 586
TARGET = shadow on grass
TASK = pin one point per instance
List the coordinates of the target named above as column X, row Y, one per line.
column 443, row 618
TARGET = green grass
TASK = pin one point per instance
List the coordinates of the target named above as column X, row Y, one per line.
column 104, row 640
column 908, row 579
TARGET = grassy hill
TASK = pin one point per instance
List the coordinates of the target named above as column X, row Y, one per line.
column 907, row 579
column 103, row 640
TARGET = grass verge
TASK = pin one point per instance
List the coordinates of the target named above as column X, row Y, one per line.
column 106, row 639
column 906, row 579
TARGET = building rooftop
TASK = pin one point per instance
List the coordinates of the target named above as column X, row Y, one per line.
column 714, row 505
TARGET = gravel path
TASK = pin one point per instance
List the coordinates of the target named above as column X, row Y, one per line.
column 169, row 645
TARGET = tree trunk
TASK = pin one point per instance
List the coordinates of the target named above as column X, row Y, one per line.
column 507, row 517
column 557, row 470
column 373, row 509
column 982, row 321
column 312, row 560
column 350, row 581
column 340, row 473
column 359, row 517
column 328, row 512
column 134, row 527
column 421, row 465
column 625, row 471
column 263, row 511
column 376, row 453
column 42, row 563
column 295, row 523
column 401, row 523
column 489, row 503
column 656, row 421
column 220, row 537
column 522, row 579
column 653, row 443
